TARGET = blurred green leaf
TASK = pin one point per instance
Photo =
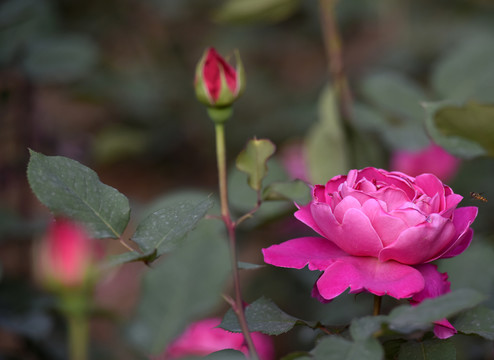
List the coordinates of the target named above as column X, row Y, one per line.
column 326, row 144
column 396, row 94
column 478, row 260
column 467, row 71
column 225, row 355
column 161, row 231
column 337, row 348
column 69, row 188
column 118, row 142
column 263, row 315
column 248, row 266
column 296, row 190
column 59, row 59
column 466, row 131
column 127, row 257
column 434, row 349
column 478, row 321
column 182, row 288
column 363, row 328
column 253, row 159
column 299, row 355
column 407, row 319
column 241, row 11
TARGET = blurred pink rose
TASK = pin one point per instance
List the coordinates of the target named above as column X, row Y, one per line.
column 65, row 255
column 204, row 337
column 294, row 161
column 433, row 159
column 378, row 229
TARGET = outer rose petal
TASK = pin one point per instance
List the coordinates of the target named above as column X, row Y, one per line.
column 443, row 329
column 316, row 252
column 462, row 219
column 421, row 243
column 366, row 273
column 436, row 284
column 355, row 235
column 304, row 215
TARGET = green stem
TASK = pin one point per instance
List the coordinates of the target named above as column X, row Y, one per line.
column 377, row 305
column 334, row 53
column 78, row 336
column 230, row 226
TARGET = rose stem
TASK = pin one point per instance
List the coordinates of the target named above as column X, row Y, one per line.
column 377, row 305
column 230, row 226
column 332, row 43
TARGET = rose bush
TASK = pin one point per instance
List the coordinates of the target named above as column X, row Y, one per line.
column 378, row 232
column 204, row 337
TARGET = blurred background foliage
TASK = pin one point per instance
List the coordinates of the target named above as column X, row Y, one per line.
column 109, row 83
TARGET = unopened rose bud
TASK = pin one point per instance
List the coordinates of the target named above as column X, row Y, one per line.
column 65, row 256
column 217, row 83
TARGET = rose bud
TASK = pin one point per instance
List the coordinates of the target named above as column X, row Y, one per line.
column 65, row 256
column 217, row 83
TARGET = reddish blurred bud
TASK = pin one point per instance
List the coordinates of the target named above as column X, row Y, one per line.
column 65, row 256
column 217, row 83
column 432, row 159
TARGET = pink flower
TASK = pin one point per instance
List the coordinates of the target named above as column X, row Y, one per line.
column 294, row 161
column 216, row 82
column 204, row 337
column 377, row 229
column 65, row 255
column 433, row 159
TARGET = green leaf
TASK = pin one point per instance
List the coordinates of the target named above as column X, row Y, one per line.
column 248, row 266
column 337, row 348
column 182, row 288
column 326, row 143
column 60, row 59
column 296, row 190
column 271, row 11
column 225, row 355
column 131, row 256
column 465, row 131
column 365, row 327
column 428, row 350
column 452, row 82
column 252, row 161
column 478, row 321
column 263, row 315
column 396, row 94
column 299, row 355
column 407, row 319
column 163, row 229
column 68, row 188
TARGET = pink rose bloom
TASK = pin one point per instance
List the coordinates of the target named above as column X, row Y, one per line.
column 65, row 255
column 204, row 337
column 378, row 230
column 433, row 159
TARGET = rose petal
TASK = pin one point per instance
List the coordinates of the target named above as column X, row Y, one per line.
column 421, row 243
column 333, row 184
column 443, row 329
column 436, row 283
column 451, row 202
column 344, row 205
column 387, row 227
column 369, row 274
column 316, row 252
column 355, row 235
column 304, row 215
column 462, row 219
column 431, row 186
